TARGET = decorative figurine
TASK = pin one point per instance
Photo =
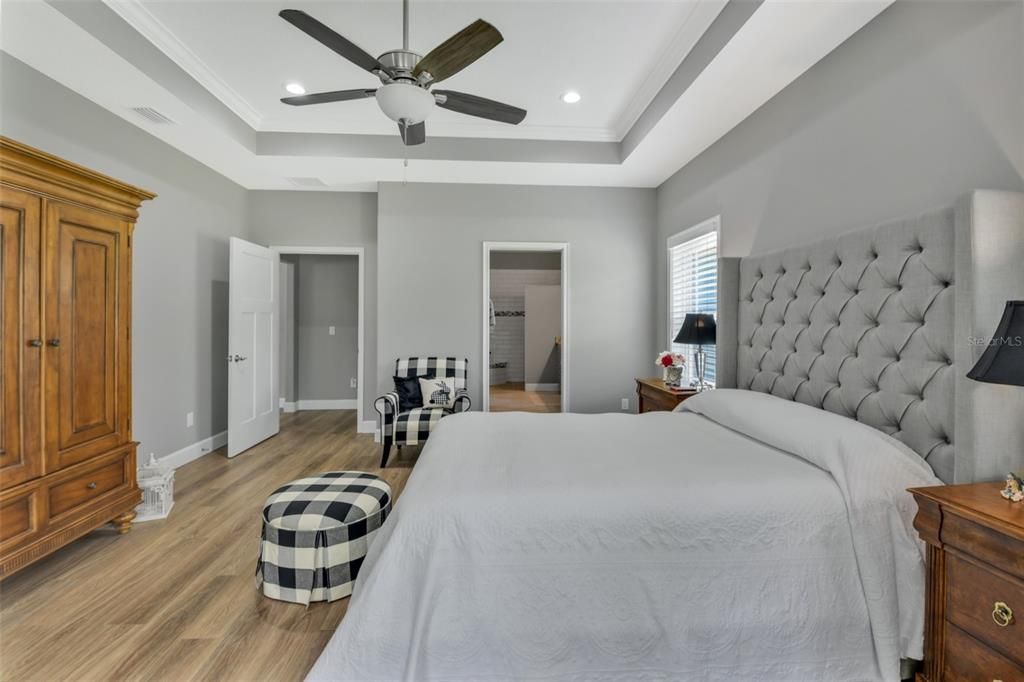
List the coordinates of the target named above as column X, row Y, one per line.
column 1014, row 490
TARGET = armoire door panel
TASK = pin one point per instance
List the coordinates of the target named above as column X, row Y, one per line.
column 85, row 335
column 20, row 330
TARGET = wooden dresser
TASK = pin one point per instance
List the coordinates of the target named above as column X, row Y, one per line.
column 67, row 459
column 974, row 624
column 653, row 395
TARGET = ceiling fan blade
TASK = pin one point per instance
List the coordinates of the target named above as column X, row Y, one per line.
column 331, row 39
column 459, row 51
column 413, row 134
column 479, row 106
column 324, row 97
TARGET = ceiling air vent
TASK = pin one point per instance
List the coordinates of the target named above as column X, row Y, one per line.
column 307, row 182
column 152, row 115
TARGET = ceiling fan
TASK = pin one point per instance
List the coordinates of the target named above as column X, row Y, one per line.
column 406, row 78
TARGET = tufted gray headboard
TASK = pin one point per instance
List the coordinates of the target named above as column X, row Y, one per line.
column 864, row 325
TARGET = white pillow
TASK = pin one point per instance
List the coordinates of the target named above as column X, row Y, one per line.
column 438, row 392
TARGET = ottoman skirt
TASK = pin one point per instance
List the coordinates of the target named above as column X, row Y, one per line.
column 316, row 532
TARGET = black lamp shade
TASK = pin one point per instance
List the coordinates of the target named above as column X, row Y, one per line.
column 698, row 329
column 1003, row 359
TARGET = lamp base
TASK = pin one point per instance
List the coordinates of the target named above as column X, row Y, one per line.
column 699, row 364
column 701, row 385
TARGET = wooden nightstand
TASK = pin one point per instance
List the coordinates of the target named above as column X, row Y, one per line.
column 652, row 395
column 974, row 622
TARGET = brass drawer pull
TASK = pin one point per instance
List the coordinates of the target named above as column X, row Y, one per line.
column 91, row 486
column 1002, row 614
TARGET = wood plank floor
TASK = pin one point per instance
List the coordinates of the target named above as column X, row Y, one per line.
column 514, row 397
column 175, row 599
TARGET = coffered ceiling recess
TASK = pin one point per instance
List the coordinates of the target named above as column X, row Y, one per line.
column 658, row 82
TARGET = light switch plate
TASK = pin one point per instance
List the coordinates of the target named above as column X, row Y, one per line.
column 330, row 330
column 190, row 419
column 625, row 403
column 353, row 383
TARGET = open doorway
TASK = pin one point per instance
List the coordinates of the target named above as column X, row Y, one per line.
column 525, row 335
column 321, row 329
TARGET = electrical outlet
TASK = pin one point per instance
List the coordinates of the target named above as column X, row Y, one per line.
column 331, row 330
column 353, row 383
column 190, row 419
column 625, row 404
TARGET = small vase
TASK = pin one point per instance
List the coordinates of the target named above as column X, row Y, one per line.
column 673, row 375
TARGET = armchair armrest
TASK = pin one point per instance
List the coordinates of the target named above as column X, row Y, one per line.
column 387, row 408
column 462, row 402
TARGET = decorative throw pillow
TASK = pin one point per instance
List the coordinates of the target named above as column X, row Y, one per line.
column 438, row 392
column 408, row 390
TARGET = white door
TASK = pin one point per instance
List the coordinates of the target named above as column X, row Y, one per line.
column 252, row 346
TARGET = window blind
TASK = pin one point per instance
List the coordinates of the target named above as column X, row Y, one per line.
column 693, row 288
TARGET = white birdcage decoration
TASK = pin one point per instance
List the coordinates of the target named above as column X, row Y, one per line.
column 157, row 483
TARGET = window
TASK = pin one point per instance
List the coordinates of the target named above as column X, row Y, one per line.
column 693, row 286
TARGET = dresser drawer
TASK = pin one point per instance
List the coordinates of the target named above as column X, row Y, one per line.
column 91, row 483
column 968, row 660
column 972, row 596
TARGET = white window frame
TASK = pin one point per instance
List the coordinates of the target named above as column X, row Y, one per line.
column 710, row 225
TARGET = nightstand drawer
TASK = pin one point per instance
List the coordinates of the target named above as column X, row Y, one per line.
column 968, row 660
column 986, row 605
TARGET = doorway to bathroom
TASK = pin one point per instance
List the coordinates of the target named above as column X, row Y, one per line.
column 525, row 335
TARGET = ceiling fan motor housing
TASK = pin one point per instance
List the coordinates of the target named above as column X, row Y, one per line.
column 400, row 63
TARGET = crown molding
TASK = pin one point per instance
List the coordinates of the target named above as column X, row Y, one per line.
column 156, row 32
column 691, row 29
column 469, row 129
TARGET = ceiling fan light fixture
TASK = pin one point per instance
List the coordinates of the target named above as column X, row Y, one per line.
column 295, row 88
column 403, row 102
column 571, row 97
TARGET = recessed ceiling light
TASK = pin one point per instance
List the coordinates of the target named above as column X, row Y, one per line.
column 295, row 88
column 571, row 97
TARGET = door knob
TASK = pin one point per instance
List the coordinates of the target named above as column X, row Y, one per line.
column 236, row 358
column 35, row 343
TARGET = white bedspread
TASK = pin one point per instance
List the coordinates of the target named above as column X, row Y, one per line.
column 666, row 546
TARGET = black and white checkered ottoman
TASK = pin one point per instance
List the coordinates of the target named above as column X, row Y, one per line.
column 316, row 532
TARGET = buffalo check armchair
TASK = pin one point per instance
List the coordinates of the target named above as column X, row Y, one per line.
column 413, row 427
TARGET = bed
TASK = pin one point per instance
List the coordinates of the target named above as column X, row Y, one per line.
column 761, row 533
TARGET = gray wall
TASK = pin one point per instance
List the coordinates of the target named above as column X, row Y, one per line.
column 179, row 335
column 431, row 269
column 526, row 260
column 286, row 325
column 922, row 105
column 543, row 324
column 326, row 295
column 327, row 219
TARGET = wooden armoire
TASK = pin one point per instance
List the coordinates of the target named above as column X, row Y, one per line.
column 67, row 458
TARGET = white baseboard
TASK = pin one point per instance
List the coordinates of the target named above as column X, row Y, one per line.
column 553, row 388
column 368, row 426
column 347, row 404
column 193, row 452
column 288, row 407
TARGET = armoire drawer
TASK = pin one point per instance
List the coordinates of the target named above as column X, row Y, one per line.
column 19, row 517
column 92, row 482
